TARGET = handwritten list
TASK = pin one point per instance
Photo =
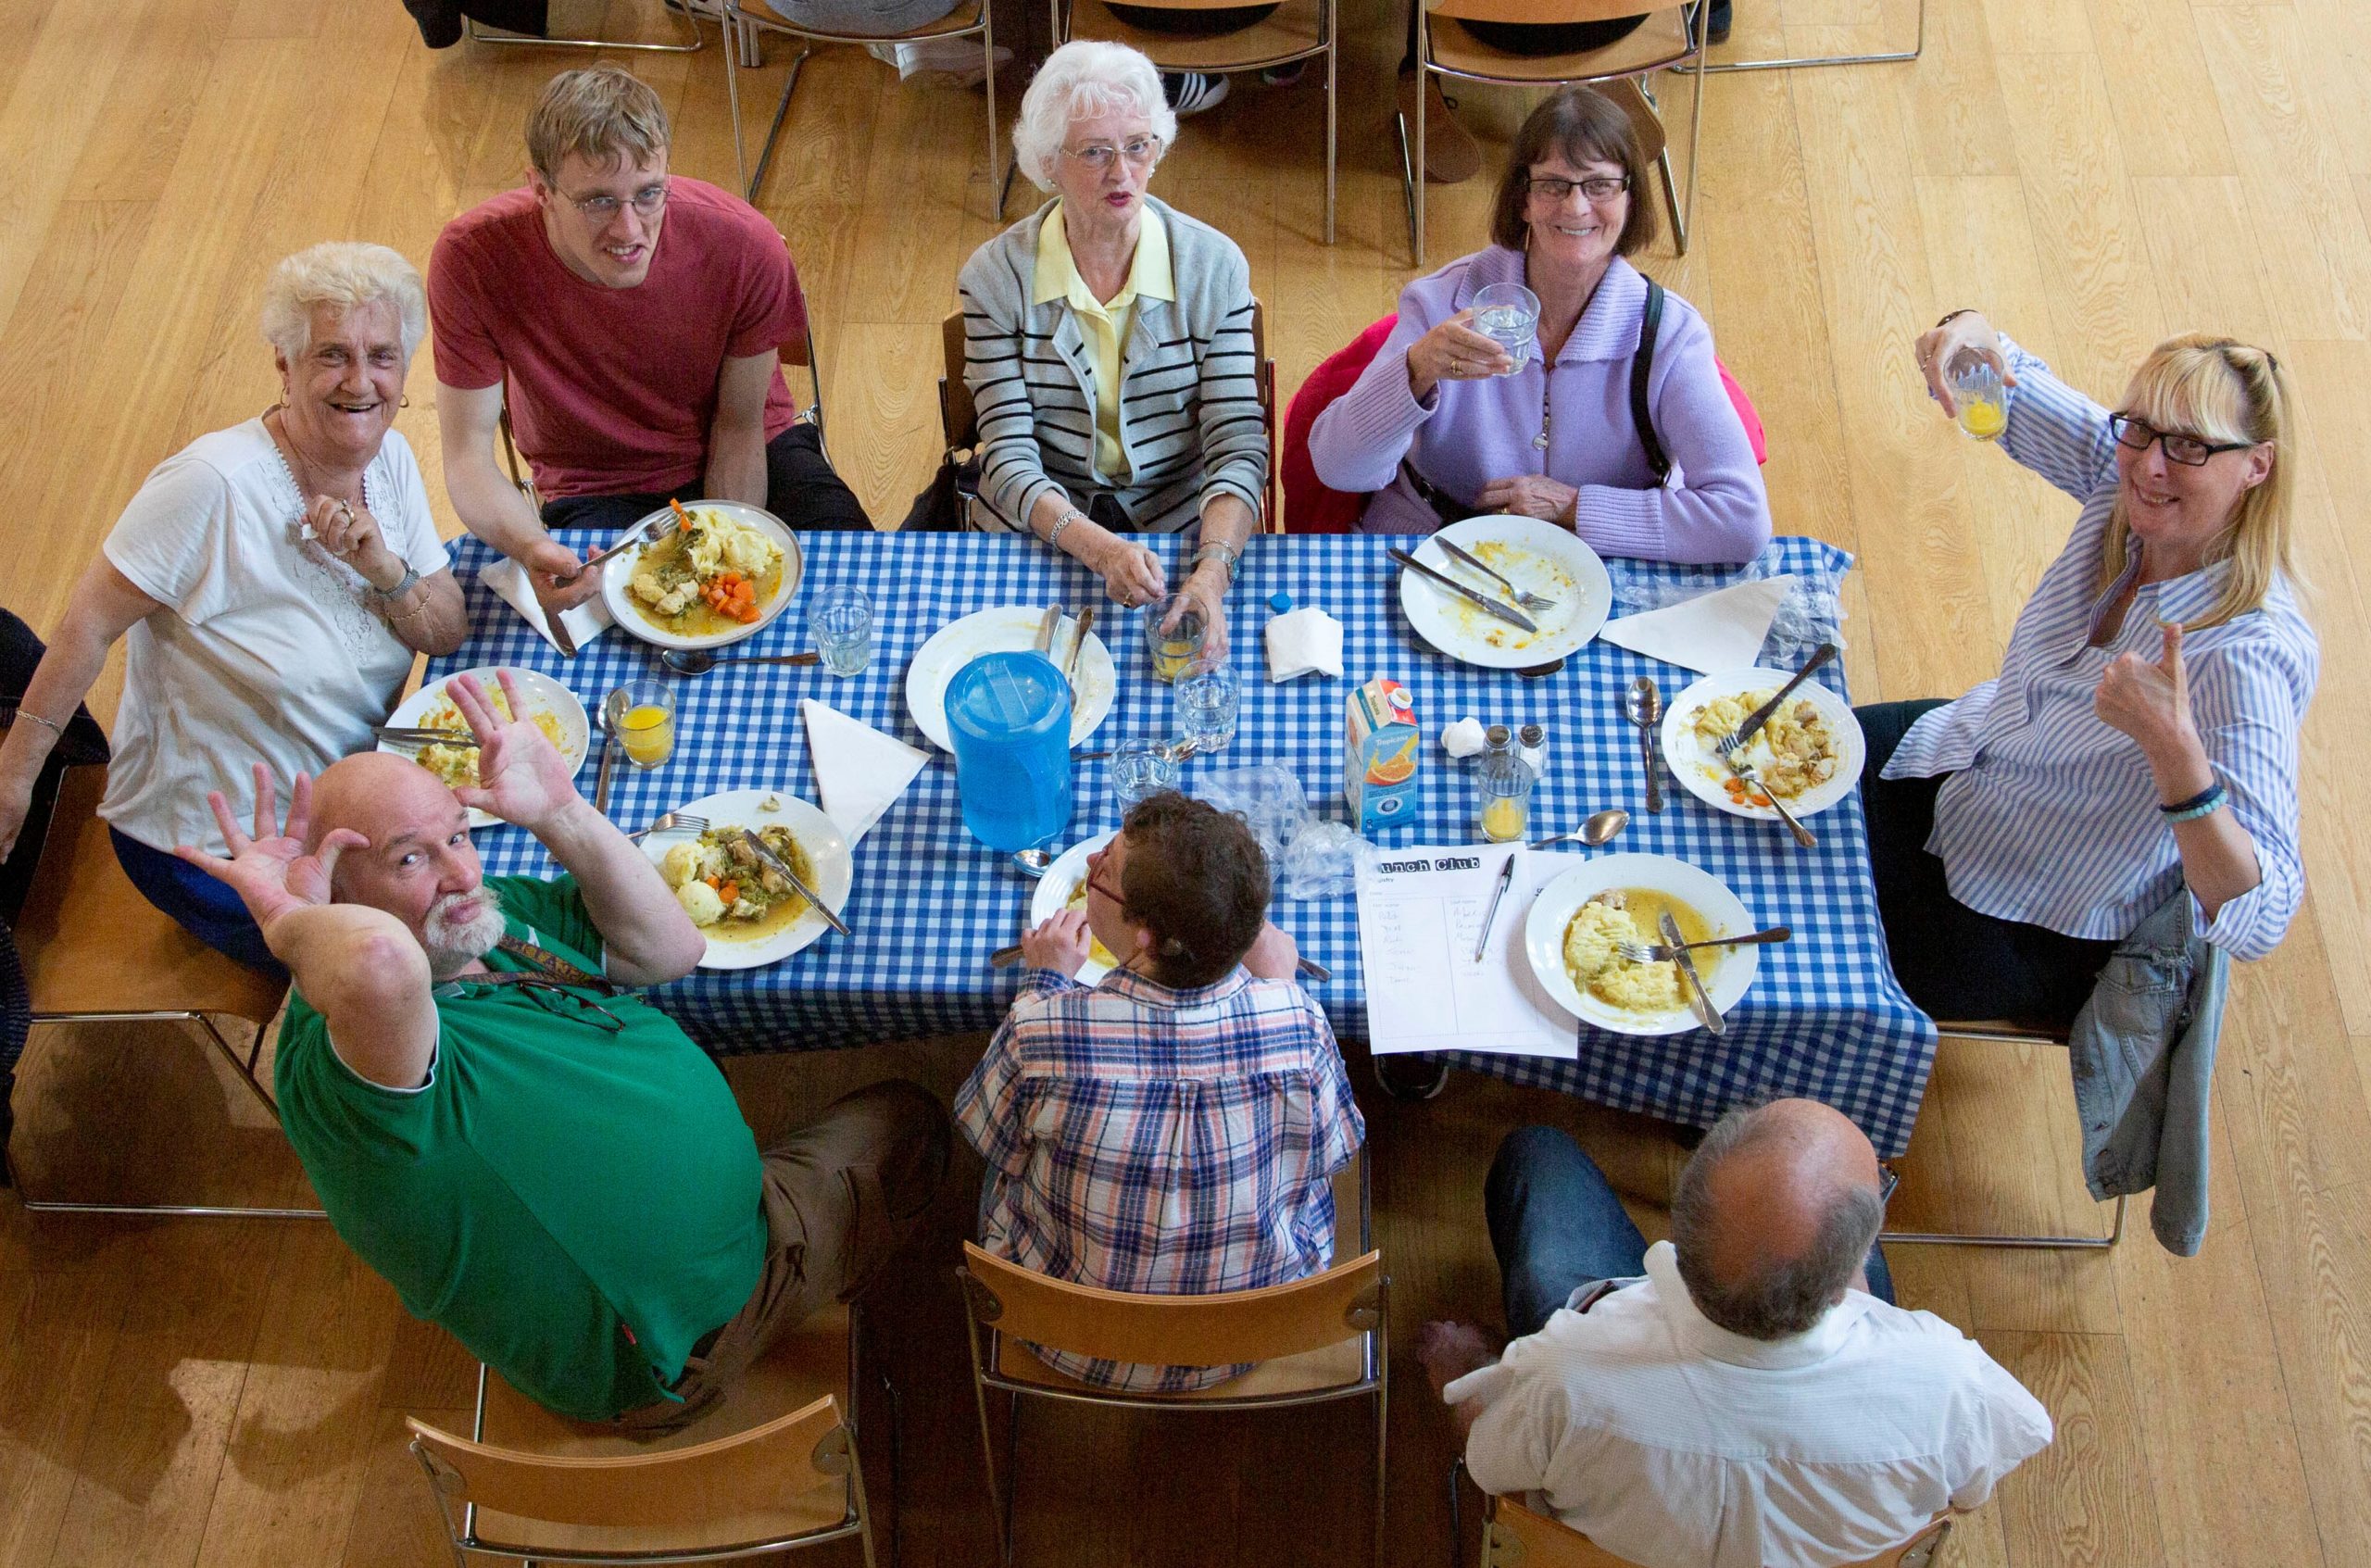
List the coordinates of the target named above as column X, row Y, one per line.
column 1420, row 914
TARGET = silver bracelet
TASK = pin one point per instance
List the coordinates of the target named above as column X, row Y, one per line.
column 1054, row 536
column 51, row 725
column 386, row 601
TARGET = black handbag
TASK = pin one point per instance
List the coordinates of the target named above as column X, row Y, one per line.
column 940, row 508
column 82, row 744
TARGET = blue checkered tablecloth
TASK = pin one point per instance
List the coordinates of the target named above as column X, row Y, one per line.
column 1825, row 1018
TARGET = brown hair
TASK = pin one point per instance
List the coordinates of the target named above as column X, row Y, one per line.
column 1195, row 879
column 604, row 114
column 1586, row 126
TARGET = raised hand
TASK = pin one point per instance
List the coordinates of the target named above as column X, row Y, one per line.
column 1454, row 351
column 1059, row 944
column 522, row 778
column 1967, row 333
column 2148, row 699
column 271, row 869
column 351, row 534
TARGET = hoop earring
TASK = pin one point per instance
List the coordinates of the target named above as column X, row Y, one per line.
column 404, row 401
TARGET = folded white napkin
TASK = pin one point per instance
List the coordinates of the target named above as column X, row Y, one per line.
column 1722, row 630
column 859, row 771
column 584, row 622
column 1300, row 641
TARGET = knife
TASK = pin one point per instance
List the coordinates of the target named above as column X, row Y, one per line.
column 1700, row 1001
column 1761, row 716
column 775, row 863
column 1803, row 835
column 1511, row 617
column 1045, row 642
column 562, row 638
column 608, row 771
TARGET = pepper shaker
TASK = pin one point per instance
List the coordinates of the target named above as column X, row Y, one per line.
column 1531, row 745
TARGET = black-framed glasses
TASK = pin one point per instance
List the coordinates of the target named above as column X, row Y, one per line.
column 1597, row 188
column 2190, row 451
column 1098, row 156
column 600, row 209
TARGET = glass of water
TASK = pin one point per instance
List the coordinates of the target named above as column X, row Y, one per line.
column 1208, row 695
column 1141, row 766
column 1508, row 315
column 842, row 624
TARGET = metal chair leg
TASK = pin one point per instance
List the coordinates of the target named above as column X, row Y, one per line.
column 2024, row 1242
column 988, row 44
column 1333, row 54
column 1809, row 61
column 1423, row 91
column 1671, row 201
column 1407, row 191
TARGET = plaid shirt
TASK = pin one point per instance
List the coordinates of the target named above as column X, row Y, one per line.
column 1162, row 1142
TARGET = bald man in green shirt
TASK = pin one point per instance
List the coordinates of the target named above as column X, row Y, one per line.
column 538, row 1160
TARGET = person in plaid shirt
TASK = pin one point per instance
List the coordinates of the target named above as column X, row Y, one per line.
column 1173, row 1130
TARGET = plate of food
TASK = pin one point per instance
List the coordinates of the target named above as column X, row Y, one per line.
column 1011, row 630
column 1538, row 557
column 1570, row 937
column 552, row 706
column 1064, row 887
column 721, row 574
column 1809, row 754
column 750, row 916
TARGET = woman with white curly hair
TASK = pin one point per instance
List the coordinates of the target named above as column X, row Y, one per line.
column 1108, row 345
column 273, row 581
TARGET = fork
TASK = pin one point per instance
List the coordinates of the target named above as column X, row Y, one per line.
column 647, row 531
column 1524, row 597
column 400, row 735
column 1656, row 952
column 673, row 822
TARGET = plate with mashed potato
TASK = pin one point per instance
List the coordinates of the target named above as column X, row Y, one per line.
column 1064, row 887
column 723, row 572
column 1538, row 557
column 1577, row 920
column 750, row 916
column 1809, row 754
column 552, row 706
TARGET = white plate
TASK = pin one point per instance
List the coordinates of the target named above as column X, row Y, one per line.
column 540, row 691
column 1011, row 630
column 1064, row 877
column 1698, row 767
column 1540, row 557
column 1543, row 936
column 617, row 573
column 827, row 852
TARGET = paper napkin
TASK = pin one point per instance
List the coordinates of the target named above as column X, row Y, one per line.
column 584, row 622
column 859, row 771
column 1722, row 630
column 1302, row 640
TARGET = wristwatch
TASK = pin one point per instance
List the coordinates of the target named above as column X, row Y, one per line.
column 411, row 581
column 1226, row 553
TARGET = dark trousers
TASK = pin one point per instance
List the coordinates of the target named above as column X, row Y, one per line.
column 1556, row 1225
column 1954, row 961
column 801, row 489
column 208, row 909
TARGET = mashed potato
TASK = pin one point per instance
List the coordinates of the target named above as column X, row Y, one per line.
column 1593, row 959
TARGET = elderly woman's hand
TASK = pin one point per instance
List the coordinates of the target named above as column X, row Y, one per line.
column 1207, row 588
column 2148, row 699
column 1531, row 494
column 1454, row 351
column 1131, row 573
column 353, row 536
column 1966, row 332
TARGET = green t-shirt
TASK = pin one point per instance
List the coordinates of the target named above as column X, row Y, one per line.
column 574, row 1203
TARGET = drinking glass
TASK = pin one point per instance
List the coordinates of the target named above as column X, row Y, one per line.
column 642, row 715
column 1208, row 695
column 842, row 625
column 1982, row 400
column 1173, row 646
column 1141, row 766
column 1502, row 797
column 1508, row 315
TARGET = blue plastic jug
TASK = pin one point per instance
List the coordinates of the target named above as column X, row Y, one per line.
column 1010, row 717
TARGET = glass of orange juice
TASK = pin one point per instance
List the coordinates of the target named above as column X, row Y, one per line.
column 642, row 715
column 1983, row 399
column 1502, row 797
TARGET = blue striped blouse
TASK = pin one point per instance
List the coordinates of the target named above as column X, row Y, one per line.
column 2049, row 815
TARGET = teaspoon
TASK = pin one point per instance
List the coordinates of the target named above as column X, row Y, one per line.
column 699, row 661
column 1599, row 828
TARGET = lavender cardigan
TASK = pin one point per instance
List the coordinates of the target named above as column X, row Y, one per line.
column 1714, row 509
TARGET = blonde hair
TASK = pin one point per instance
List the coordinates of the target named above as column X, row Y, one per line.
column 1086, row 80
column 604, row 113
column 348, row 275
column 2223, row 390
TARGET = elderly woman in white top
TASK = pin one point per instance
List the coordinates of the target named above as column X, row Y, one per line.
column 1108, row 345
column 2143, row 733
column 273, row 581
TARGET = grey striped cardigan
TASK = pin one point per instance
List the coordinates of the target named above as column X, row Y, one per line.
column 1189, row 407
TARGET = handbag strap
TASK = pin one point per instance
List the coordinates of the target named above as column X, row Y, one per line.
column 1642, row 365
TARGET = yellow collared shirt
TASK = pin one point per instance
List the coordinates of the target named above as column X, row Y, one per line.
column 1105, row 325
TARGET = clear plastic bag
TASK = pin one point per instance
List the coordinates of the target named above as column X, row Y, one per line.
column 1311, row 858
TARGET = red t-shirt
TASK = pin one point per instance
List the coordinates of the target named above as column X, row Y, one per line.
column 612, row 391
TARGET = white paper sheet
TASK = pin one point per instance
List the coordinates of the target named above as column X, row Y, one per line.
column 1420, row 911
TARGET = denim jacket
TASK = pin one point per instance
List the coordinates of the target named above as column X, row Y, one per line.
column 2143, row 1053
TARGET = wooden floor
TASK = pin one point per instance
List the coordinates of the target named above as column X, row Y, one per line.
column 2098, row 173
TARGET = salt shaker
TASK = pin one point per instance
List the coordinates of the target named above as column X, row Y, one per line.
column 1531, row 745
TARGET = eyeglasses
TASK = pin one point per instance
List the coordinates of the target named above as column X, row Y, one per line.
column 1111, row 893
column 600, row 209
column 2190, row 451
column 1098, row 156
column 1597, row 188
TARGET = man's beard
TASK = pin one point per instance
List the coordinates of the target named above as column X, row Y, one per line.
column 455, row 944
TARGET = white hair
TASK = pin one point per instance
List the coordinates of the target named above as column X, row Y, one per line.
column 1086, row 80
column 347, row 274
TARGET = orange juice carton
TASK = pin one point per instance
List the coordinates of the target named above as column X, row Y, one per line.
column 1379, row 771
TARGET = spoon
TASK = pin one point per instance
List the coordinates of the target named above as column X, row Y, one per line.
column 1599, row 829
column 699, row 661
column 1033, row 862
column 1643, row 705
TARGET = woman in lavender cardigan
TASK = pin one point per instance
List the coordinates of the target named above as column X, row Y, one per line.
column 1438, row 430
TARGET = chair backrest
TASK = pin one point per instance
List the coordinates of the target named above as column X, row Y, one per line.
column 1310, row 506
column 663, row 1488
column 1239, row 1326
column 1514, row 1536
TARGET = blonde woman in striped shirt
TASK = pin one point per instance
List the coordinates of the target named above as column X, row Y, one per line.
column 2142, row 732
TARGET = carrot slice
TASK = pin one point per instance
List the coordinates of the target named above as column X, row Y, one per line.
column 730, row 893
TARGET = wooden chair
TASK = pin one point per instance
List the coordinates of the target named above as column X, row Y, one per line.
column 1445, row 47
column 751, row 17
column 679, row 9
column 1295, row 30
column 96, row 952
column 1804, row 62
column 1318, row 1339
column 774, row 1466
column 958, row 418
column 1514, row 1536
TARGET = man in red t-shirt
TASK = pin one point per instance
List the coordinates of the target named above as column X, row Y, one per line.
column 636, row 369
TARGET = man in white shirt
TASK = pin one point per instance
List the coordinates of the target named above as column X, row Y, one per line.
column 1748, row 1403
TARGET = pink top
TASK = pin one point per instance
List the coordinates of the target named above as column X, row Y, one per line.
column 612, row 391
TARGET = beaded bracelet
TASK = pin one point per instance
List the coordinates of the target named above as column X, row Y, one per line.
column 2205, row 803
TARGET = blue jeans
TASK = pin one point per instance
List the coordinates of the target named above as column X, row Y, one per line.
column 1556, row 1225
column 208, row 909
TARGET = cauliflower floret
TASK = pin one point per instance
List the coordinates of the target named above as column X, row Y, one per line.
column 700, row 902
